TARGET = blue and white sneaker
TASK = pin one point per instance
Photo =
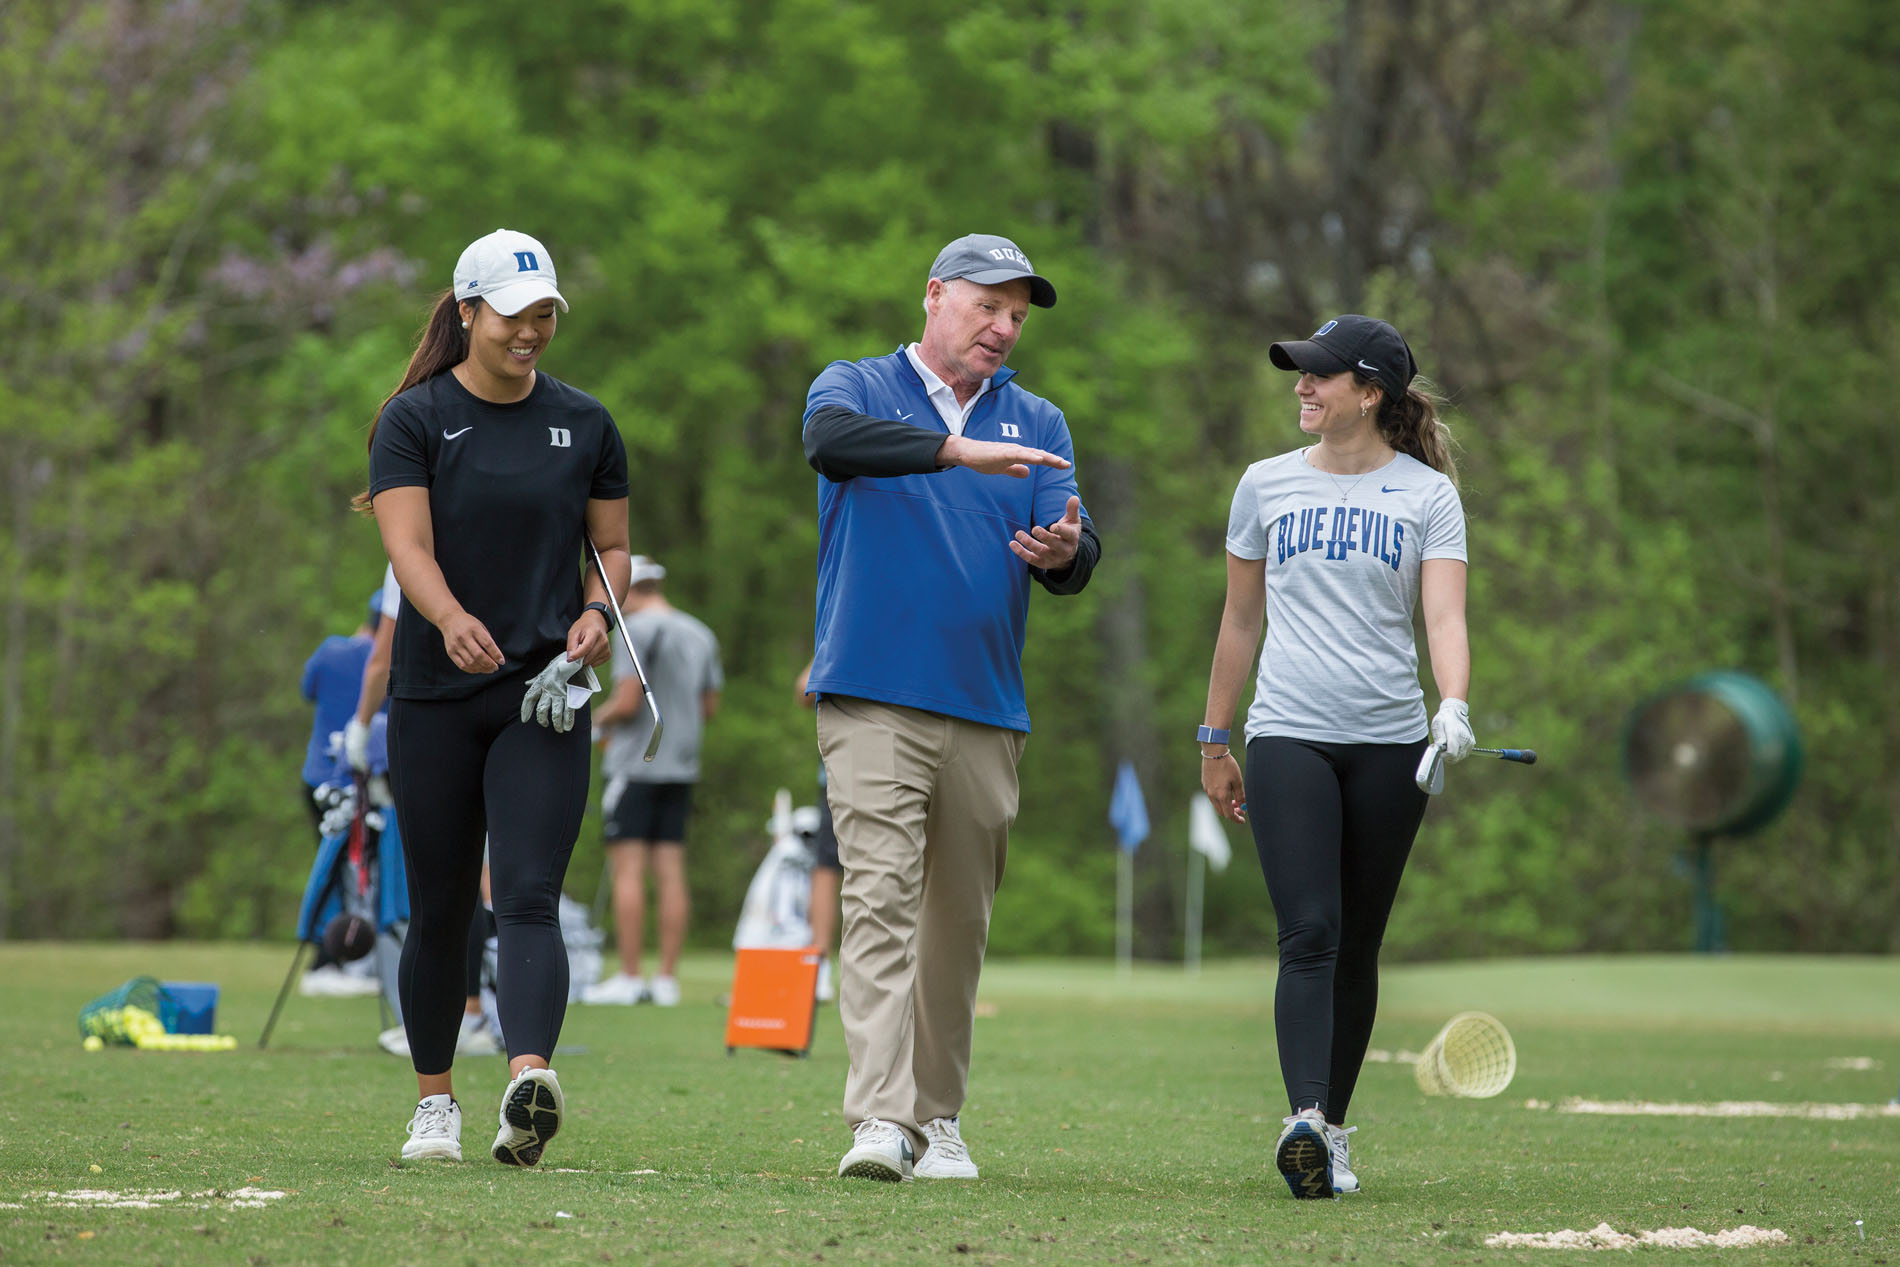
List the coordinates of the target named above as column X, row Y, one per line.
column 878, row 1151
column 531, row 1111
column 1343, row 1178
column 1304, row 1156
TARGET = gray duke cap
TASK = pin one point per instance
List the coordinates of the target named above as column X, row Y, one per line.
column 989, row 260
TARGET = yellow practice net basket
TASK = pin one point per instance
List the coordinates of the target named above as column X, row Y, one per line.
column 1472, row 1057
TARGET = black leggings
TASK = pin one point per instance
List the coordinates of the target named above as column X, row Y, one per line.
column 460, row 769
column 1333, row 824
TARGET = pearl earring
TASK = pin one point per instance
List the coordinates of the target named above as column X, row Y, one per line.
column 465, row 326
column 1362, row 408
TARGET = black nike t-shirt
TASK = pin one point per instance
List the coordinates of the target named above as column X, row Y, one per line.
column 508, row 492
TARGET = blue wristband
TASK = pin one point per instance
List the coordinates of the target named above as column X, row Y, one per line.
column 1207, row 734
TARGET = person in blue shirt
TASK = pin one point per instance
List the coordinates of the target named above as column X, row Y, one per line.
column 947, row 491
column 332, row 679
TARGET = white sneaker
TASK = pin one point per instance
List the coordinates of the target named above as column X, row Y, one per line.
column 1304, row 1157
column 878, row 1151
column 945, row 1156
column 619, row 988
column 1343, row 1178
column 474, row 1038
column 435, row 1130
column 395, row 1041
column 531, row 1112
column 827, row 992
column 331, row 982
column 665, row 991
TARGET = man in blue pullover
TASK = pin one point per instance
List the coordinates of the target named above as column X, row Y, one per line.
column 947, row 490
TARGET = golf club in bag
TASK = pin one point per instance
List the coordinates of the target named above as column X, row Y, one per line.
column 646, row 687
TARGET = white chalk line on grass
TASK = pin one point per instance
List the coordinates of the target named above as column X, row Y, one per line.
column 1718, row 1108
column 246, row 1198
column 1603, row 1236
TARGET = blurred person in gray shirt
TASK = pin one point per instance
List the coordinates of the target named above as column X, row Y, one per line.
column 646, row 805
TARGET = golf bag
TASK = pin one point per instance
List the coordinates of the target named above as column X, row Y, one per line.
column 776, row 914
column 358, row 869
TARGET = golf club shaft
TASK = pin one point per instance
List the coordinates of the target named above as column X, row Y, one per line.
column 1523, row 756
column 620, row 623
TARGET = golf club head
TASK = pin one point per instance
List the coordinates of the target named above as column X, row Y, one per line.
column 1431, row 771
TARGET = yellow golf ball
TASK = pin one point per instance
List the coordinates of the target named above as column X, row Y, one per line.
column 94, row 1043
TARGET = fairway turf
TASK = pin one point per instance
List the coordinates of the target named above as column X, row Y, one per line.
column 1114, row 1121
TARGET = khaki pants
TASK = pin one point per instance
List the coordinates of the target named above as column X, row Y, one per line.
column 922, row 805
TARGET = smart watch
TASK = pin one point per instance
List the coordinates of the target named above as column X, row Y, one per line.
column 606, row 614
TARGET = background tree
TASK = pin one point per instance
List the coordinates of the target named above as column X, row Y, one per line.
column 1645, row 248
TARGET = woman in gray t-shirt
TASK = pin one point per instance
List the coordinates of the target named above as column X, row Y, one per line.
column 1334, row 545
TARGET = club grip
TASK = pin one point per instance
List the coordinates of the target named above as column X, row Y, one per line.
column 1523, row 756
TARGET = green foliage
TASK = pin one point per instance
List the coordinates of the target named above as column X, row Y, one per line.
column 1646, row 248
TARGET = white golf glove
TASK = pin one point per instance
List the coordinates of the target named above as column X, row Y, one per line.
column 551, row 700
column 356, row 746
column 1451, row 729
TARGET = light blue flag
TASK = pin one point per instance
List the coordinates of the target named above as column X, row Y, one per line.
column 1127, row 811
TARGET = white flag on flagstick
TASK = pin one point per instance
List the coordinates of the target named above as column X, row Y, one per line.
column 1205, row 834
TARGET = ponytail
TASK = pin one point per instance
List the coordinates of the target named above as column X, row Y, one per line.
column 443, row 345
column 1412, row 425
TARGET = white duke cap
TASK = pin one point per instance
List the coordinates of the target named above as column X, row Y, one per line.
column 508, row 271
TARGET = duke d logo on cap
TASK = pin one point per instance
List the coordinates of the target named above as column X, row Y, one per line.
column 1365, row 345
column 989, row 260
column 508, row 271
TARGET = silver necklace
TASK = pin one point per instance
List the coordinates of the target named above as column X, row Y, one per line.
column 1344, row 489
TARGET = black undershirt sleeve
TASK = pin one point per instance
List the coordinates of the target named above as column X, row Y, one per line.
column 841, row 445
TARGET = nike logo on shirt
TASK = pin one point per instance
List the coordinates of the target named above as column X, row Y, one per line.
column 450, row 435
column 1384, row 488
column 902, row 416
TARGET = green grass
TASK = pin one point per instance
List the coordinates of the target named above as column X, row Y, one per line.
column 1115, row 1121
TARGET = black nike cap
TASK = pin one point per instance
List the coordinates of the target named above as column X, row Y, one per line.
column 1352, row 342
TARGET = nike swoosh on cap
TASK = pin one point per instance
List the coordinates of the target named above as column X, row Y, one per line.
column 1370, row 369
column 450, row 435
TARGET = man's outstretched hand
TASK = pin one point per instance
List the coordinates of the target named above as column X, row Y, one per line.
column 1051, row 548
column 987, row 457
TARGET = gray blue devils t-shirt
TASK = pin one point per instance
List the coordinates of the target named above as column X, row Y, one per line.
column 681, row 658
column 1342, row 556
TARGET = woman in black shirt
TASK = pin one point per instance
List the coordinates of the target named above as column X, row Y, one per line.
column 486, row 478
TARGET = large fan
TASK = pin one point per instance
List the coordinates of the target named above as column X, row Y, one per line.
column 1717, row 755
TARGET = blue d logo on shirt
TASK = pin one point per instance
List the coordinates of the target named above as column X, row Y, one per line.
column 527, row 262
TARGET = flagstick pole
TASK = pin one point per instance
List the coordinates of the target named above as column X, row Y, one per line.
column 1125, row 913
column 1197, row 869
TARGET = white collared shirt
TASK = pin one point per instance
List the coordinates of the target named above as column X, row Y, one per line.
column 942, row 395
